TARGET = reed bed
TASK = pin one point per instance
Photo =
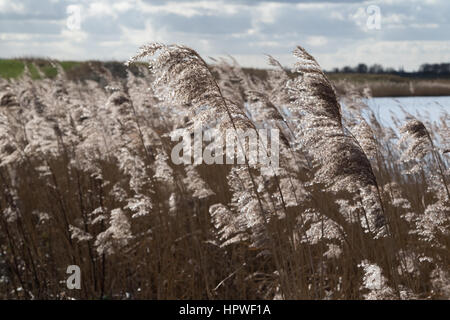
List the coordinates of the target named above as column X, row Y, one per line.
column 393, row 86
column 355, row 210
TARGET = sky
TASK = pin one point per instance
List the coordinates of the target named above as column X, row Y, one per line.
column 394, row 33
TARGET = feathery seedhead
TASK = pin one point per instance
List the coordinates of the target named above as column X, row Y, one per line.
column 183, row 77
column 415, row 132
column 415, row 128
column 341, row 163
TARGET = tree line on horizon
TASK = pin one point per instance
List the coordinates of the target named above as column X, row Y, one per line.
column 425, row 70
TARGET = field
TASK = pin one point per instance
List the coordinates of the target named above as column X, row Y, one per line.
column 355, row 210
column 381, row 85
column 385, row 85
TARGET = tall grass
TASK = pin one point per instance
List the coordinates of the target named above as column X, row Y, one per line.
column 355, row 211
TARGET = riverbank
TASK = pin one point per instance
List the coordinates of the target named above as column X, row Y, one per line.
column 385, row 85
column 380, row 85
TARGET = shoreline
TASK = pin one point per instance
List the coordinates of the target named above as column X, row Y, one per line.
column 380, row 85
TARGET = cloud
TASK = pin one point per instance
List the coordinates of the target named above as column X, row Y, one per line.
column 316, row 41
column 334, row 31
column 29, row 9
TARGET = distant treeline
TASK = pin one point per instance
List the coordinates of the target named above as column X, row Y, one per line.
column 425, row 70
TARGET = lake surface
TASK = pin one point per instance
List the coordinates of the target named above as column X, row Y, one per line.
column 421, row 107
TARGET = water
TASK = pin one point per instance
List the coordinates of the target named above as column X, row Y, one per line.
column 424, row 108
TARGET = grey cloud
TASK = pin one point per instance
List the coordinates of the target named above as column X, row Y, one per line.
column 207, row 24
column 32, row 26
column 38, row 10
column 312, row 22
column 105, row 26
column 228, row 33
column 418, row 33
column 256, row 2
column 133, row 19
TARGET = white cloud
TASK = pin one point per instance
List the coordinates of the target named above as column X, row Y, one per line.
column 8, row 6
column 407, row 54
column 316, row 41
column 192, row 9
column 123, row 6
column 76, row 36
column 15, row 36
column 267, row 12
column 412, row 32
column 100, row 9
